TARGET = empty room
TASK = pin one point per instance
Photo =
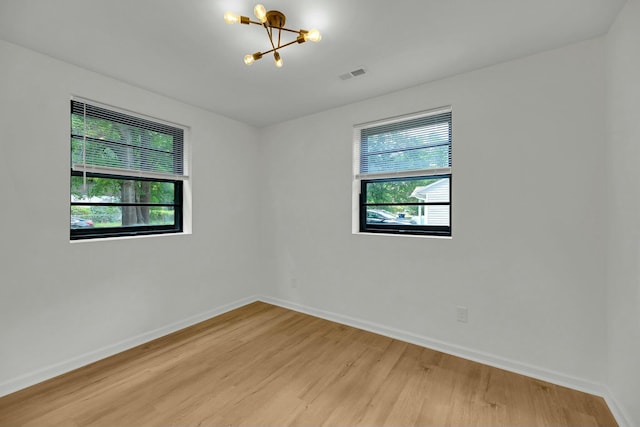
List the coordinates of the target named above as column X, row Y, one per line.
column 306, row 213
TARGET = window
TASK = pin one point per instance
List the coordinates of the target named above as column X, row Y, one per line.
column 127, row 174
column 403, row 175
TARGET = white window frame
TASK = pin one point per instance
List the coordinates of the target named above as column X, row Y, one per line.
column 358, row 176
column 183, row 177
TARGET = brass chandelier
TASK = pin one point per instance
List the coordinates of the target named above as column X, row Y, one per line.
column 273, row 21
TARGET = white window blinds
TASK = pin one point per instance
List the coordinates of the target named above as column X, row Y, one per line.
column 415, row 146
column 115, row 143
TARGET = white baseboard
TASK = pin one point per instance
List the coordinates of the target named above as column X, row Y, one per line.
column 543, row 374
column 587, row 386
column 60, row 368
column 618, row 412
column 453, row 349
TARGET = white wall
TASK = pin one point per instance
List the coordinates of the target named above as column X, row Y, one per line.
column 527, row 253
column 61, row 300
column 623, row 213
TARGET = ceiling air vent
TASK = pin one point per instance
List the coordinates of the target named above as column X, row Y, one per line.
column 355, row 73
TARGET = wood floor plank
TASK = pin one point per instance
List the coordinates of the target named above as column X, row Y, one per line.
column 269, row 366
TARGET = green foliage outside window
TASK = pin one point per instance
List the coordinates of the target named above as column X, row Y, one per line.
column 117, row 145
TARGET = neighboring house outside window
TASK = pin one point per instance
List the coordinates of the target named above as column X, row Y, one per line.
column 127, row 173
column 402, row 181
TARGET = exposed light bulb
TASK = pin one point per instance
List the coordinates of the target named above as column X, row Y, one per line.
column 313, row 36
column 260, row 12
column 231, row 18
column 278, row 59
column 250, row 59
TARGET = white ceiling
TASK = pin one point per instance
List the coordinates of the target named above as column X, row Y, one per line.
column 185, row 50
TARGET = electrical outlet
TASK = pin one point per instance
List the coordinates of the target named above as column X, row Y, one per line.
column 462, row 314
column 294, row 283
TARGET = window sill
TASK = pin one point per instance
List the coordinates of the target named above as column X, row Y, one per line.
column 420, row 236
column 142, row 236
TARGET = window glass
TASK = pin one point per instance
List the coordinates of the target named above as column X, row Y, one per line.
column 405, row 175
column 126, row 174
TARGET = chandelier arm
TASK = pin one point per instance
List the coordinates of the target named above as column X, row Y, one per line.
column 277, row 28
column 287, row 29
column 270, row 34
column 279, row 47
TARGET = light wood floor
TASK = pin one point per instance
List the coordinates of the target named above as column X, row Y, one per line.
column 262, row 365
